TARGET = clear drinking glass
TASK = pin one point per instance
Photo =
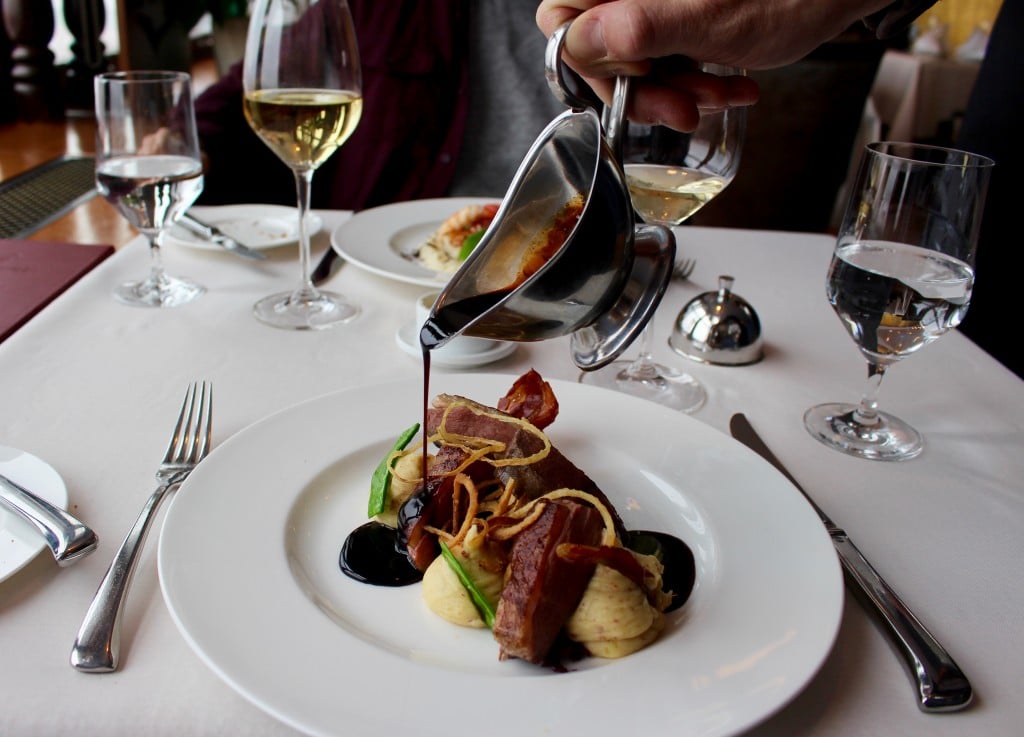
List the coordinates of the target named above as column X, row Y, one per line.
column 303, row 97
column 671, row 176
column 148, row 167
column 901, row 276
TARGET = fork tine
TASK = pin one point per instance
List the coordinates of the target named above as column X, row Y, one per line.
column 683, row 268
column 203, row 435
column 176, row 449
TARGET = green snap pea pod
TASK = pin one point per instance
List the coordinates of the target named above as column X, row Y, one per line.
column 380, row 482
column 479, row 600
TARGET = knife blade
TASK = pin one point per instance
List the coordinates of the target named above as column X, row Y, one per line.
column 941, row 684
column 215, row 235
column 68, row 538
column 324, row 268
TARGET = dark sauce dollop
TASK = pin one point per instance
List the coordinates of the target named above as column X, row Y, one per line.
column 680, row 572
column 375, row 553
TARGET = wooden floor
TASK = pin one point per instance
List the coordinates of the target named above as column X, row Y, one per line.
column 24, row 145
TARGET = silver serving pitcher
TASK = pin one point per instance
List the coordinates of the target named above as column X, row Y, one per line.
column 539, row 271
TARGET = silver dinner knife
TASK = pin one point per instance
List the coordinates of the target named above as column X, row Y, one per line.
column 941, row 685
column 324, row 268
column 68, row 538
column 215, row 235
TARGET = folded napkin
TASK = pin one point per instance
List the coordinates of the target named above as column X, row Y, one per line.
column 33, row 273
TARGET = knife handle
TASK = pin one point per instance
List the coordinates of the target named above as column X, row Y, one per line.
column 941, row 685
column 68, row 538
column 199, row 228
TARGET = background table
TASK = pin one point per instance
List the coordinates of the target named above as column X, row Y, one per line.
column 921, row 98
column 92, row 387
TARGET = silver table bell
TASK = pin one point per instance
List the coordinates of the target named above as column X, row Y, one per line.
column 718, row 328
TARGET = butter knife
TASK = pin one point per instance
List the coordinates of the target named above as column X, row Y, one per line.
column 215, row 235
column 941, row 685
column 68, row 538
column 324, row 268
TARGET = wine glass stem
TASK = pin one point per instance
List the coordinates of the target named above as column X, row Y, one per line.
column 304, row 187
column 867, row 411
column 643, row 367
column 156, row 265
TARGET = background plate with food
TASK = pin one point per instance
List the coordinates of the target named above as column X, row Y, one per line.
column 387, row 240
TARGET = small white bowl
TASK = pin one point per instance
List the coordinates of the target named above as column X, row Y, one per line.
column 458, row 346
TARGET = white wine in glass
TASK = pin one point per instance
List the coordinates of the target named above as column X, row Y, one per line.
column 303, row 98
column 670, row 194
column 901, row 276
column 148, row 167
column 672, row 175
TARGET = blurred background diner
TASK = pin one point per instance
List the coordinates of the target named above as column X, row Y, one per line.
column 455, row 95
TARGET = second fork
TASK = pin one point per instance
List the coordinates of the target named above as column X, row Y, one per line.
column 683, row 268
column 97, row 647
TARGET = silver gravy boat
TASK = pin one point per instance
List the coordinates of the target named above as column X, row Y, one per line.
column 523, row 282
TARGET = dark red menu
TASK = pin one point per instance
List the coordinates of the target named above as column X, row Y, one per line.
column 34, row 273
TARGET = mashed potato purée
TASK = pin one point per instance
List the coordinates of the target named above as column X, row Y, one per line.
column 615, row 616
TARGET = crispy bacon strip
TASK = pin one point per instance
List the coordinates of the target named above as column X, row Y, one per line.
column 531, row 398
column 618, row 558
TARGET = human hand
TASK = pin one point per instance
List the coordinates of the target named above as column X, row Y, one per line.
column 645, row 38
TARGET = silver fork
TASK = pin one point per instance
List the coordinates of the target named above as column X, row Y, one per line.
column 97, row 647
column 683, row 268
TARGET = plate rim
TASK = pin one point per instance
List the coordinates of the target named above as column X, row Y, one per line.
column 44, row 481
column 371, row 242
column 286, row 707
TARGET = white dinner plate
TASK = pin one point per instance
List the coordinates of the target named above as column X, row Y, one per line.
column 20, row 542
column 259, row 227
column 384, row 240
column 248, row 563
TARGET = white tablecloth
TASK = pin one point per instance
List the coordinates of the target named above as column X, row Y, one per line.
column 92, row 387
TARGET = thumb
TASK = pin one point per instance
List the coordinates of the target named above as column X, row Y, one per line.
column 601, row 53
column 622, row 34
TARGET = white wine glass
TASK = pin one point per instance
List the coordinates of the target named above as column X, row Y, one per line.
column 672, row 175
column 148, row 166
column 901, row 276
column 303, row 97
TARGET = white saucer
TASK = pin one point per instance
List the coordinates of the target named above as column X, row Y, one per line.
column 408, row 342
column 19, row 541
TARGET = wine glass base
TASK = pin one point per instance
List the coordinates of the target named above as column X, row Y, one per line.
column 890, row 439
column 666, row 386
column 304, row 310
column 158, row 291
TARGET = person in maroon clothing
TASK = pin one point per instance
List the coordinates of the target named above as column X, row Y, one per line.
column 415, row 76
